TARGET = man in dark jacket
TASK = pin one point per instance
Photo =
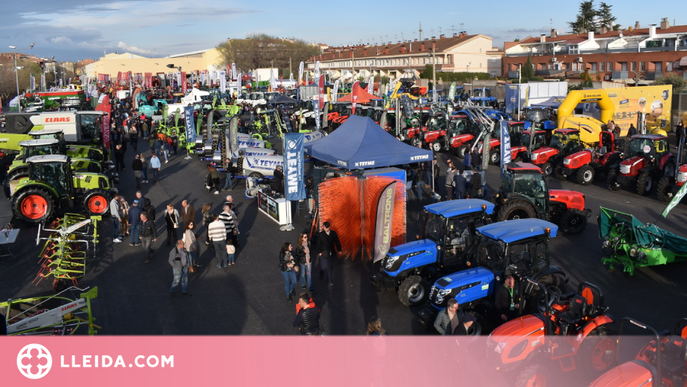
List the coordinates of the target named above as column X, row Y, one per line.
column 279, row 180
column 507, row 301
column 308, row 318
column 328, row 249
column 459, row 183
column 148, row 236
column 137, row 167
column 135, row 223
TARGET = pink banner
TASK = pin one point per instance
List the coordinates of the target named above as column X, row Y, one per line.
column 332, row 361
column 184, row 85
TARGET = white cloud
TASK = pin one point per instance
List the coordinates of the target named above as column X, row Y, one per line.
column 133, row 49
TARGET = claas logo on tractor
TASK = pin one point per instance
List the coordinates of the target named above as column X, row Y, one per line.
column 58, row 119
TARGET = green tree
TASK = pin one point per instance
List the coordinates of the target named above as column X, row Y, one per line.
column 586, row 19
column 527, row 71
column 677, row 81
column 606, row 18
column 427, row 72
column 265, row 51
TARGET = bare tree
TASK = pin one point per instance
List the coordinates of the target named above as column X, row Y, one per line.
column 263, row 51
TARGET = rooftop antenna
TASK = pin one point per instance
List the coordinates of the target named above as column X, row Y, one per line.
column 461, row 27
column 440, row 32
column 420, row 31
column 453, row 29
column 402, row 38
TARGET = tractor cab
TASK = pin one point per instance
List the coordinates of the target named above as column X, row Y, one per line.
column 55, row 170
column 525, row 181
column 540, row 139
column 644, row 151
column 563, row 142
column 38, row 148
column 458, row 124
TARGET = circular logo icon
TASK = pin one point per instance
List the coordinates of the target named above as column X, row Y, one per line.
column 34, row 361
column 291, row 145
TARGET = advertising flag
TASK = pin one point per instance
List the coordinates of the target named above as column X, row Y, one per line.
column 238, row 85
column 370, row 85
column 233, row 137
column 354, row 95
column 486, row 149
column 234, row 74
column 300, row 73
column 383, row 222
column 32, row 83
column 335, row 93
column 223, row 81
column 184, row 84
column 42, row 82
column 214, row 78
column 104, row 106
column 317, row 70
column 321, row 90
column 452, row 91
column 505, row 145
column 678, row 196
column 294, row 172
column 188, row 122
column 290, row 77
column 273, row 80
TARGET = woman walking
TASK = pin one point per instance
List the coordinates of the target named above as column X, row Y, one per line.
column 144, row 170
column 124, row 213
column 302, row 254
column 288, row 268
column 172, row 220
column 207, row 219
column 191, row 243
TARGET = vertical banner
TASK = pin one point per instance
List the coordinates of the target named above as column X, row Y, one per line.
column 238, row 85
column 234, row 74
column 178, row 77
column 371, row 85
column 452, row 92
column 184, row 84
column 190, row 128
column 233, row 133
column 203, row 80
column 486, row 149
column 149, row 80
column 321, row 90
column 273, row 80
column 61, row 83
column 104, row 106
column 43, row 82
column 354, row 95
column 383, row 222
column 316, row 110
column 317, row 70
column 335, row 93
column 300, row 73
column 294, row 172
column 213, row 79
column 32, row 83
column 505, row 145
column 223, row 81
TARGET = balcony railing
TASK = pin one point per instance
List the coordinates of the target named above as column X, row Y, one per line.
column 653, row 75
column 620, row 75
column 600, row 51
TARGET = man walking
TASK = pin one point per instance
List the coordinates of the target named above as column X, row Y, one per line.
column 218, row 235
column 459, row 183
column 116, row 218
column 137, row 167
column 450, row 174
column 228, row 221
column 155, row 166
column 135, row 223
column 188, row 213
column 148, row 236
column 178, row 259
column 328, row 248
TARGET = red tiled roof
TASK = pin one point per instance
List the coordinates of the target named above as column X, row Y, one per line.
column 577, row 38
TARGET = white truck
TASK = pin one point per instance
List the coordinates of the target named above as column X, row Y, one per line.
column 192, row 96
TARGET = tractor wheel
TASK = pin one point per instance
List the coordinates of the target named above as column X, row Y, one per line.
column 461, row 151
column 664, row 189
column 436, row 146
column 547, row 169
column 669, row 169
column 612, row 179
column 256, row 175
column 535, row 375
column 597, row 352
column 494, row 157
column 585, row 175
column 18, row 173
column 97, row 202
column 412, row 290
column 416, row 141
column 573, row 222
column 558, row 173
column 33, row 205
column 644, row 183
column 517, row 209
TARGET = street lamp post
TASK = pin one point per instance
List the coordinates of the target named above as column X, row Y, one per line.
column 16, row 74
column 434, row 72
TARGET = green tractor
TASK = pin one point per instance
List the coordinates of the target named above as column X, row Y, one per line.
column 52, row 184
column 75, row 151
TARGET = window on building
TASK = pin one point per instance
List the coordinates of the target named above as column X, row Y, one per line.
column 658, row 66
column 633, row 66
column 623, row 66
column 609, row 66
column 669, row 66
column 593, row 66
column 642, row 66
column 602, row 66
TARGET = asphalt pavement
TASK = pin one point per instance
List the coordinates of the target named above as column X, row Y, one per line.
column 248, row 298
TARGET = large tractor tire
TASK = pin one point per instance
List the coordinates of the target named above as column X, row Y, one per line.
column 598, row 351
column 664, row 189
column 436, row 146
column 416, row 142
column 97, row 202
column 644, row 183
column 517, row 209
column 412, row 290
column 461, row 151
column 33, row 205
column 534, row 375
column 573, row 222
column 612, row 179
column 494, row 157
column 585, row 175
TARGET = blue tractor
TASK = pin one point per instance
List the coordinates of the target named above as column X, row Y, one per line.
column 449, row 233
column 518, row 247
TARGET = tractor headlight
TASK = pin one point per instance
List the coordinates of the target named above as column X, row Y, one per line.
column 534, row 156
column 641, row 257
column 681, row 177
column 566, row 161
column 389, row 261
column 606, row 244
column 633, row 252
column 499, row 347
column 441, row 295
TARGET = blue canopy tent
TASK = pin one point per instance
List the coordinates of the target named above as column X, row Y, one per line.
column 362, row 144
column 553, row 102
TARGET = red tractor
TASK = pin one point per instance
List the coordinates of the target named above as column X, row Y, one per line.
column 460, row 135
column 516, row 130
column 434, row 131
column 587, row 163
column 647, row 369
column 524, row 193
column 668, row 185
column 572, row 334
column 550, row 158
column 648, row 159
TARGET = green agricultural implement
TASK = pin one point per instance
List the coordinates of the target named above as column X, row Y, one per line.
column 628, row 243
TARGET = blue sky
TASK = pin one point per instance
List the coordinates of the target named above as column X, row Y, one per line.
column 72, row 30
